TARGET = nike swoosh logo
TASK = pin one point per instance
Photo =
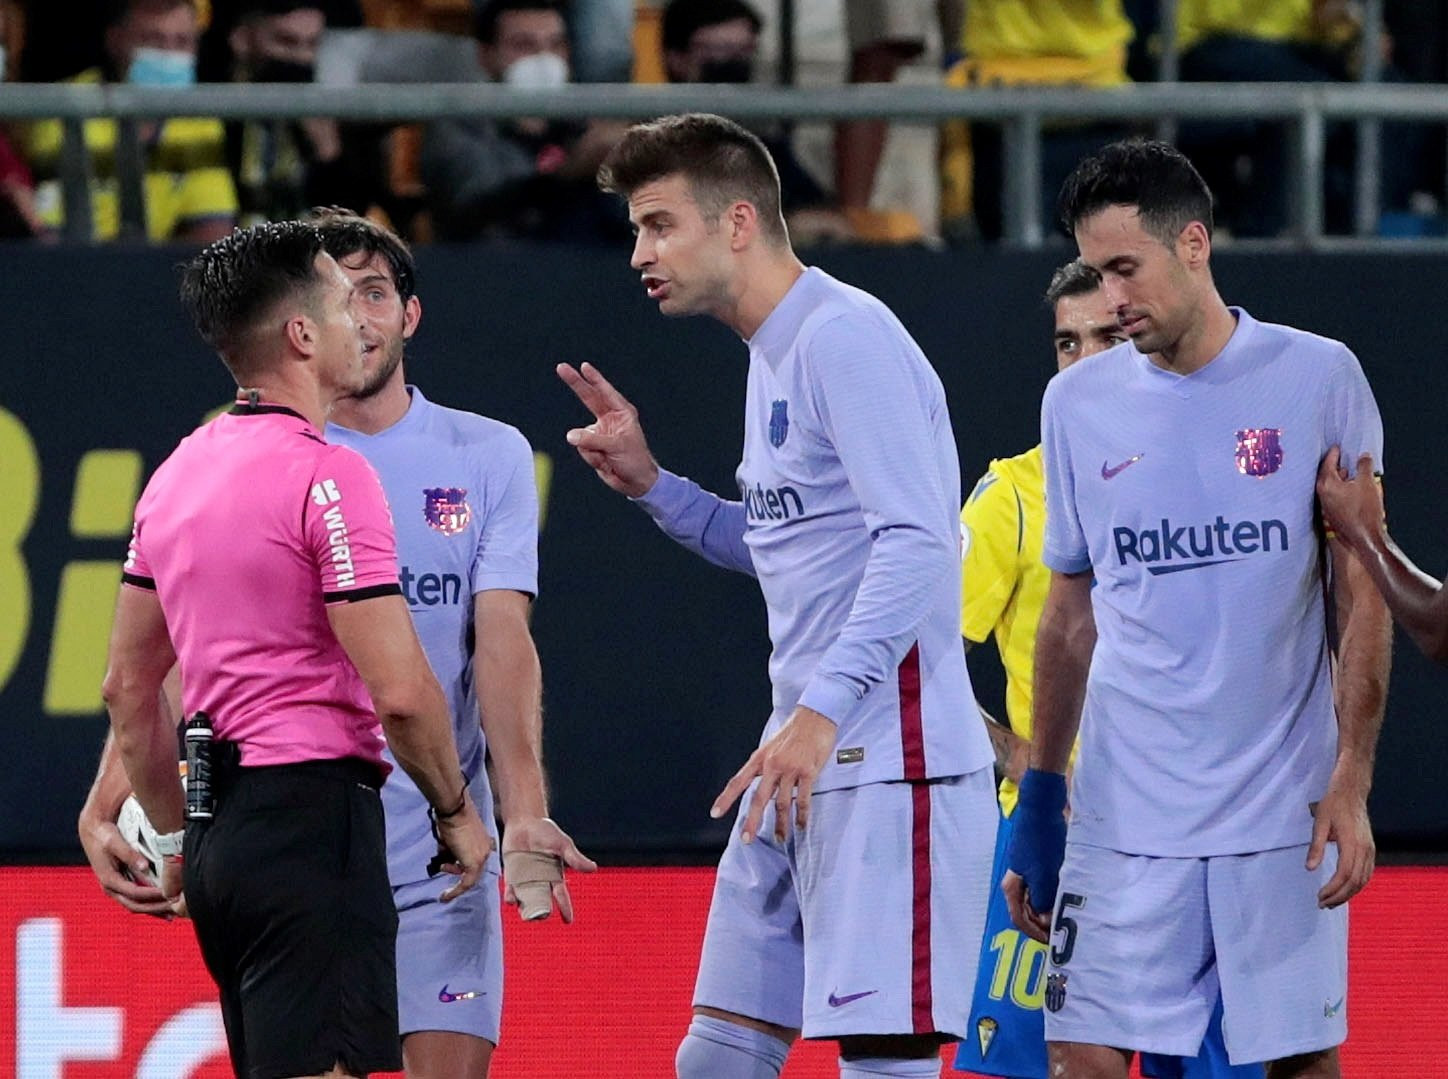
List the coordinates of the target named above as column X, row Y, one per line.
column 1329, row 1010
column 447, row 998
column 1108, row 472
column 838, row 1002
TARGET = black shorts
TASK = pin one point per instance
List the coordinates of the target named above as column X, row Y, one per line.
column 288, row 890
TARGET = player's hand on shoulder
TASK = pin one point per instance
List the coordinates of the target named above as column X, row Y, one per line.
column 787, row 766
column 535, row 852
column 1351, row 508
column 464, row 846
column 613, row 445
column 123, row 871
column 1342, row 818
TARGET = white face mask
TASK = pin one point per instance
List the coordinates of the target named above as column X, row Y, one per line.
column 541, row 69
column 161, row 67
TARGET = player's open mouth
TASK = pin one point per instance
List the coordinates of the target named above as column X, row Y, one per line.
column 656, row 287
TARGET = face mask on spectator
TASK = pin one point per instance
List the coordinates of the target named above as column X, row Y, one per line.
column 539, row 70
column 270, row 70
column 735, row 70
column 161, row 67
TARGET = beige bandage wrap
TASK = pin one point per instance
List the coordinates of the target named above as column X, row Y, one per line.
column 532, row 875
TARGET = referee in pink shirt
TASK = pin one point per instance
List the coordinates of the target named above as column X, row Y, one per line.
column 263, row 560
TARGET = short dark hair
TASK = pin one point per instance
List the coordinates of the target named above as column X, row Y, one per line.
column 345, row 233
column 117, row 11
column 237, row 280
column 485, row 23
column 1153, row 176
column 1073, row 279
column 684, row 18
column 246, row 10
column 721, row 161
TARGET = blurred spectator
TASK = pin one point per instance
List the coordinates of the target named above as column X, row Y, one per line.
column 284, row 167
column 1246, row 163
column 883, row 36
column 523, row 177
column 600, row 38
column 19, row 218
column 185, row 193
column 717, row 41
column 1025, row 43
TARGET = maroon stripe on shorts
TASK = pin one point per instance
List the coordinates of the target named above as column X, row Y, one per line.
column 912, row 734
column 921, row 1011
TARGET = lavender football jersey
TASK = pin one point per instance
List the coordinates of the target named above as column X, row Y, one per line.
column 465, row 507
column 848, row 518
column 1208, row 726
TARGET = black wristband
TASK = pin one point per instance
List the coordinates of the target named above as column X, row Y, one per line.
column 451, row 813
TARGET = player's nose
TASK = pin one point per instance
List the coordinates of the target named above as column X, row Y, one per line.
column 643, row 252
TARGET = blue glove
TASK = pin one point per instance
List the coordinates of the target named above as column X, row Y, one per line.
column 1038, row 836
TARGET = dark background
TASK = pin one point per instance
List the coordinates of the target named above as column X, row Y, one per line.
column 654, row 662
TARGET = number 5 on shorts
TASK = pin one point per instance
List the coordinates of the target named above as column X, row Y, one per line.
column 1061, row 955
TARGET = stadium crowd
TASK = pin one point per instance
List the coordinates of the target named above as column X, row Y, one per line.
column 459, row 180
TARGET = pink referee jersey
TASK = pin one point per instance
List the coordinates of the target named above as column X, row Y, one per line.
column 246, row 533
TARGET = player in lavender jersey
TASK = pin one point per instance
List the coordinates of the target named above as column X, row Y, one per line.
column 1218, row 807
column 465, row 505
column 1354, row 511
column 852, row 895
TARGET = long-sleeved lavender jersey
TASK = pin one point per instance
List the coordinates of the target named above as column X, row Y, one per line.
column 1208, row 726
column 851, row 494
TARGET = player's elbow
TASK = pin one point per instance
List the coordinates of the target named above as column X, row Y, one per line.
column 122, row 687
column 404, row 700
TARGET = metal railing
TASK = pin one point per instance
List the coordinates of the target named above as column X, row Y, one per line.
column 1306, row 108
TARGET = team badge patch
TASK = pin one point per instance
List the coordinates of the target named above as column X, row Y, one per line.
column 778, row 423
column 985, row 1032
column 1259, row 451
column 446, row 509
column 1055, row 992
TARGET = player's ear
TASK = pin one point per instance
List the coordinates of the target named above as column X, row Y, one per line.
column 1194, row 245
column 411, row 316
column 742, row 220
column 301, row 334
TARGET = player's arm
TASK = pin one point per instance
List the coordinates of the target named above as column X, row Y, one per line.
column 140, row 654
column 615, row 448
column 1365, row 638
column 1354, row 510
column 378, row 636
column 509, row 680
column 1012, row 752
column 1065, row 640
column 111, row 857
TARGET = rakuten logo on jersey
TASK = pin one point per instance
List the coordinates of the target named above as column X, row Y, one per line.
column 771, row 503
column 1175, row 548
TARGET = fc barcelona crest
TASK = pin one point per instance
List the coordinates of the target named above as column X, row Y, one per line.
column 1055, row 992
column 446, row 509
column 1259, row 451
column 778, row 423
